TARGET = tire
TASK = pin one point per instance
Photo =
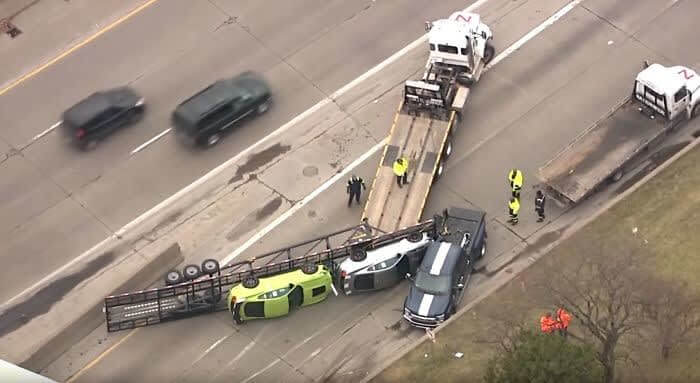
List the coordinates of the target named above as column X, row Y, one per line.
column 89, row 145
column 447, row 152
column 213, row 139
column 489, row 53
column 135, row 115
column 191, row 272
column 358, row 255
column 250, row 282
column 617, row 176
column 438, row 172
column 263, row 107
column 415, row 237
column 309, row 268
column 173, row 277
column 237, row 319
column 696, row 111
column 210, row 266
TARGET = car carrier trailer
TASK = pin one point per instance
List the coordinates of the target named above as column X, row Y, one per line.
column 206, row 294
column 662, row 99
column 426, row 119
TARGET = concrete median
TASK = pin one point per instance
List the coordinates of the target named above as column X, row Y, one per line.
column 37, row 331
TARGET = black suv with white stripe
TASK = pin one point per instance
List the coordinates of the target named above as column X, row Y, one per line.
column 439, row 284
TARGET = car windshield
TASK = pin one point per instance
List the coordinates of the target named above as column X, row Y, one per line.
column 432, row 284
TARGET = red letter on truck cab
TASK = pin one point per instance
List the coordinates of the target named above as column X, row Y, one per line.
column 687, row 75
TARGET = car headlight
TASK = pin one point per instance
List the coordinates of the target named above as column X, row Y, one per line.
column 440, row 317
column 406, row 311
column 140, row 102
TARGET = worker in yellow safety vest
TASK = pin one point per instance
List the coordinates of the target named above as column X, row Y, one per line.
column 515, row 177
column 401, row 171
column 513, row 209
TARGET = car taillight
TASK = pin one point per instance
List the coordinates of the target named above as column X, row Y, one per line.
column 80, row 133
column 343, row 274
column 233, row 300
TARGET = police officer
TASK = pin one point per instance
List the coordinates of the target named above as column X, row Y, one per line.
column 515, row 177
column 513, row 209
column 540, row 200
column 401, row 170
column 354, row 189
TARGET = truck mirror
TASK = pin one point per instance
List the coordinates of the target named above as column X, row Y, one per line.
column 483, row 34
column 460, row 286
column 428, row 26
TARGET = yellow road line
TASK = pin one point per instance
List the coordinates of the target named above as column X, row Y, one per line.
column 75, row 47
column 101, row 356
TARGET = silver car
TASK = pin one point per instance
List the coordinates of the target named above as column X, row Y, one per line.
column 384, row 266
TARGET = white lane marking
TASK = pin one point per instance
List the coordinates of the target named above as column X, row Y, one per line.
column 284, row 216
column 528, row 36
column 152, row 140
column 47, row 131
column 208, row 350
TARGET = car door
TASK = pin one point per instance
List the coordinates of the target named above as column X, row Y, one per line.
column 242, row 107
column 109, row 121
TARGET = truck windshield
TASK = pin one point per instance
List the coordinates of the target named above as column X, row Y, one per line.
column 432, row 284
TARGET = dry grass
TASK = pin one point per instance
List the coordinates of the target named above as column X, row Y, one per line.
column 665, row 212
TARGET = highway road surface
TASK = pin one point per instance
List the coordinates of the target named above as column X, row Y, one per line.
column 525, row 109
column 57, row 202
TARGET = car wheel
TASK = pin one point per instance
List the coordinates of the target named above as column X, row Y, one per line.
column 358, row 255
column 263, row 107
column 448, row 148
column 135, row 115
column 173, row 277
column 696, row 111
column 489, row 53
column 415, row 237
column 237, row 319
column 309, row 268
column 191, row 272
column 213, row 139
column 89, row 144
column 210, row 266
column 439, row 171
column 250, row 282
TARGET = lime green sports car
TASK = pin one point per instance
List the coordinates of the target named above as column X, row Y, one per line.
column 276, row 296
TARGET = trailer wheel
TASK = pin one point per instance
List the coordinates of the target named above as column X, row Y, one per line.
column 309, row 268
column 489, row 53
column 173, row 277
column 448, row 148
column 210, row 266
column 191, row 272
column 358, row 255
column 438, row 172
column 250, row 282
column 415, row 237
column 617, row 176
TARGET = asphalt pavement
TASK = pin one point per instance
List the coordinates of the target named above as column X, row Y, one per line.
column 58, row 202
column 522, row 112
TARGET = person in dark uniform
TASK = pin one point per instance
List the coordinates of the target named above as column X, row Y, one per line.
column 354, row 189
column 540, row 200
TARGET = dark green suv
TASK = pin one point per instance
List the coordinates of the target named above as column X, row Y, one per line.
column 203, row 118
